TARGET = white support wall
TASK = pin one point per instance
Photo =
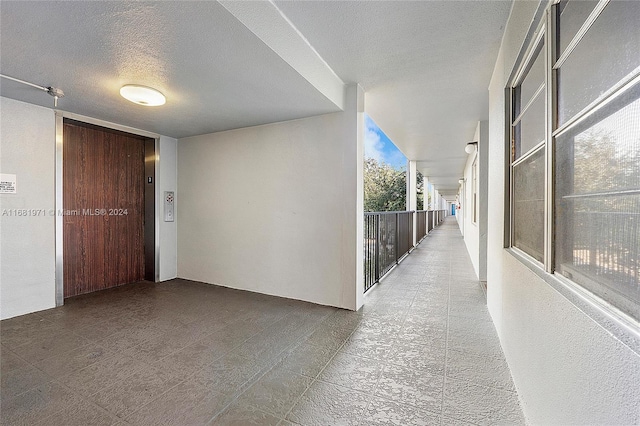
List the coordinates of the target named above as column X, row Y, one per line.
column 566, row 367
column 27, row 243
column 475, row 233
column 168, row 181
column 277, row 209
column 412, row 195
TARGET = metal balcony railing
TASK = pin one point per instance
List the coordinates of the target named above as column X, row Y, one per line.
column 388, row 237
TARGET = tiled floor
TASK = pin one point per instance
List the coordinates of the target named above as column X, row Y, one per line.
column 422, row 351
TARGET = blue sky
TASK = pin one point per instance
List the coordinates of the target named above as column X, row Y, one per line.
column 379, row 147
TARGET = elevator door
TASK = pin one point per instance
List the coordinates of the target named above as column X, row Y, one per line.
column 103, row 208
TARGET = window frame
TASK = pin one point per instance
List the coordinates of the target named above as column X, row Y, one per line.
column 514, row 117
column 624, row 326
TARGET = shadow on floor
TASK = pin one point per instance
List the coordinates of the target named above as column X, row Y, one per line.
column 422, row 351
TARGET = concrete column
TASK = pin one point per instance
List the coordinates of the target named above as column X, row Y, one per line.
column 425, row 191
column 434, row 205
column 412, row 196
column 355, row 94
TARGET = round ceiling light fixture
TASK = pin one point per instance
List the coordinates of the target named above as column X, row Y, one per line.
column 142, row 95
column 471, row 147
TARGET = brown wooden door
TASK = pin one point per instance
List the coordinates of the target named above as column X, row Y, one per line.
column 103, row 201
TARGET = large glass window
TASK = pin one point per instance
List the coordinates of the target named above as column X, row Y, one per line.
column 591, row 112
column 527, row 170
column 528, row 205
column 607, row 53
column 598, row 203
column 597, row 174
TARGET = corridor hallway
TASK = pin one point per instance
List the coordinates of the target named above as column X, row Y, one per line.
column 422, row 351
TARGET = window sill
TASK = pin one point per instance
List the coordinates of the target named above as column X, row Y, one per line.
column 623, row 327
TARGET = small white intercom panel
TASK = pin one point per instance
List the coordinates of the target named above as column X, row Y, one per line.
column 168, row 206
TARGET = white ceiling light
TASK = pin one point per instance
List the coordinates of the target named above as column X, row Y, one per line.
column 471, row 147
column 142, row 95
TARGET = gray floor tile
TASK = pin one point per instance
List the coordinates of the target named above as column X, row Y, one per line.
column 480, row 405
column 475, row 343
column 245, row 415
column 165, row 344
column 99, row 329
column 448, row 421
column 307, row 359
column 190, row 403
column 103, row 374
column 182, row 352
column 131, row 336
column 490, row 371
column 81, row 414
column 231, row 336
column 384, row 412
column 406, row 385
column 25, row 329
column 426, row 333
column 19, row 380
column 77, row 359
column 329, row 404
column 131, row 394
column 37, row 404
column 379, row 326
column 342, row 318
column 329, row 337
column 276, row 392
column 369, row 346
column 228, row 374
column 353, row 372
column 9, row 360
column 50, row 346
column 429, row 358
column 192, row 358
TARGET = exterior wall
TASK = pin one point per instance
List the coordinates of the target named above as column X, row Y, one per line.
column 471, row 231
column 483, row 197
column 475, row 234
column 27, row 244
column 276, row 209
column 567, row 369
column 168, row 181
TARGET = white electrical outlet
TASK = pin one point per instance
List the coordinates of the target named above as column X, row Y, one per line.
column 168, row 206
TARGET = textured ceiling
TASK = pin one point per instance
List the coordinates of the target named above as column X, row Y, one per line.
column 215, row 73
column 425, row 65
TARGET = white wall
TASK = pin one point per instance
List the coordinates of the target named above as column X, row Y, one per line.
column 475, row 233
column 168, row 181
column 567, row 369
column 471, row 230
column 276, row 209
column 27, row 244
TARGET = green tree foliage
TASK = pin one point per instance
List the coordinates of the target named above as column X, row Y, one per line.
column 603, row 163
column 385, row 188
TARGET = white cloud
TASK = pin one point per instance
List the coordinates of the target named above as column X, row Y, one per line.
column 373, row 146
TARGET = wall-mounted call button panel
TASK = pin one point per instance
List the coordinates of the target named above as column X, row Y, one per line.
column 168, row 206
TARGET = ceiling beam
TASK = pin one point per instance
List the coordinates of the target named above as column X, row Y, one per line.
column 269, row 24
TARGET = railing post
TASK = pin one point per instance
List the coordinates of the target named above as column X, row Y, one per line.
column 397, row 234
column 377, row 248
column 412, row 238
